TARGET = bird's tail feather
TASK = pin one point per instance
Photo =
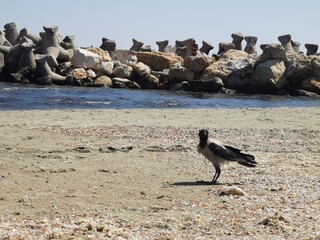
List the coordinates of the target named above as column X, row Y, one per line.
column 247, row 164
column 247, row 160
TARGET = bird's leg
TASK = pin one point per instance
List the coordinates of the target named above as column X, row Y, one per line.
column 216, row 175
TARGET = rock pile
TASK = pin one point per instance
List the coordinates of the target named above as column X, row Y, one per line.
column 51, row 59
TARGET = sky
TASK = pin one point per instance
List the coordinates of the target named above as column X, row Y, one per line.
column 149, row 21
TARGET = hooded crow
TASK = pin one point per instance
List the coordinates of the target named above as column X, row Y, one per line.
column 217, row 153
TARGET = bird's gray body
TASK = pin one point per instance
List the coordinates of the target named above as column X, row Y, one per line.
column 218, row 154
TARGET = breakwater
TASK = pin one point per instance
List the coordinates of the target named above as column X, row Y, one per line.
column 47, row 58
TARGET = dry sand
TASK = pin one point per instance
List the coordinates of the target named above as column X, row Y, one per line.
column 132, row 174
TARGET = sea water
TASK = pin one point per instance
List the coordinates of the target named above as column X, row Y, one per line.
column 29, row 97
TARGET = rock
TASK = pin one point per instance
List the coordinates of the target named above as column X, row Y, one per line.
column 16, row 78
column 79, row 73
column 91, row 73
column 120, row 82
column 270, row 75
column 316, row 66
column 24, row 199
column 141, row 69
column 146, row 48
column 219, row 68
column 132, row 60
column 122, row 55
column 83, row 58
column 240, row 77
column 106, row 68
column 273, row 52
column 158, row 61
column 122, row 71
column 197, row 63
column 179, row 74
column 43, row 80
column 103, row 81
column 104, row 55
column 311, row 85
column 231, row 190
column 210, row 85
column 300, row 68
column 303, row 93
column 184, row 86
column 123, row 83
column 148, row 81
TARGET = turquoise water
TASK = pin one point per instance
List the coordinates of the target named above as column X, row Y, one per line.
column 27, row 97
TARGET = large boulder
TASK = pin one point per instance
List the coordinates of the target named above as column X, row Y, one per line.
column 197, row 63
column 240, row 78
column 106, row 68
column 300, row 68
column 104, row 55
column 141, row 69
column 219, row 68
column 79, row 73
column 158, row 61
column 122, row 71
column 270, row 76
column 273, row 51
column 180, row 74
column 148, row 81
column 83, row 58
column 102, row 81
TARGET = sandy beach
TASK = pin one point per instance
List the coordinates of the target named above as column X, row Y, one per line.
column 133, row 174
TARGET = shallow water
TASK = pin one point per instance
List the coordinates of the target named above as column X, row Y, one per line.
column 27, row 97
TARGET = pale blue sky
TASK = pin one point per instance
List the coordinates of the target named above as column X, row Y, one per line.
column 149, row 21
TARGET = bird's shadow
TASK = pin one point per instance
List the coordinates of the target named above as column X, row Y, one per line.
column 202, row 183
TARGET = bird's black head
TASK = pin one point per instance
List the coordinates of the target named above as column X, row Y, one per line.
column 203, row 135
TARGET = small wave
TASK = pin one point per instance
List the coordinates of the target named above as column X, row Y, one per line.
column 171, row 104
column 98, row 103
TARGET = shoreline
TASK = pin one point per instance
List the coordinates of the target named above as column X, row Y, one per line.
column 134, row 174
column 284, row 117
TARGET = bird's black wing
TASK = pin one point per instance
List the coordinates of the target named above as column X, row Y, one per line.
column 223, row 152
column 248, row 157
column 231, row 153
